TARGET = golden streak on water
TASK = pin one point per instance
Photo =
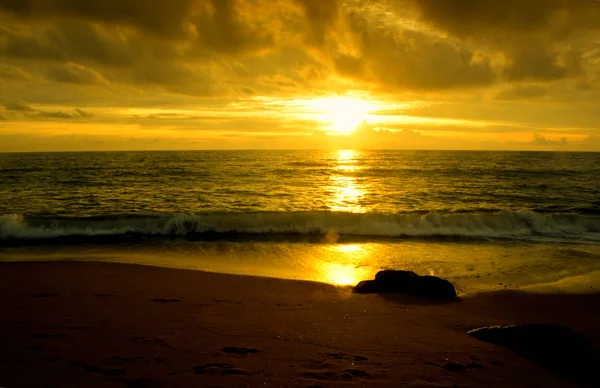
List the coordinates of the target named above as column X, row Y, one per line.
column 349, row 248
column 347, row 189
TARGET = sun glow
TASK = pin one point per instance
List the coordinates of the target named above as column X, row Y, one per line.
column 342, row 275
column 342, row 114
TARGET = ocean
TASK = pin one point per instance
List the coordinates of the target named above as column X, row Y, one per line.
column 484, row 220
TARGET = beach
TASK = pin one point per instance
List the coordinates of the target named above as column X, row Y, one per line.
column 75, row 324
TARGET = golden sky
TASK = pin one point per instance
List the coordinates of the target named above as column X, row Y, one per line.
column 245, row 74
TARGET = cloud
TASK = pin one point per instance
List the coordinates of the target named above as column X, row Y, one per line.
column 199, row 80
column 592, row 140
column 321, row 16
column 518, row 92
column 74, row 73
column 25, row 110
column 13, row 72
column 163, row 18
column 18, row 106
column 73, row 115
column 542, row 40
column 68, row 42
column 72, row 31
column 499, row 18
column 532, row 66
column 413, row 60
column 540, row 140
column 230, row 26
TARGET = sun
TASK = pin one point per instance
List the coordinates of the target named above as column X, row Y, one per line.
column 342, row 114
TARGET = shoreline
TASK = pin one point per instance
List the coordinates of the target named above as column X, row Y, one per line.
column 99, row 324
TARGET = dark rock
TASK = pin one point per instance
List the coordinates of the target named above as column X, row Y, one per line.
column 408, row 283
column 556, row 348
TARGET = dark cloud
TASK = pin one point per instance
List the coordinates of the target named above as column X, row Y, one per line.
column 75, row 114
column 321, row 16
column 518, row 92
column 68, row 42
column 499, row 18
column 232, row 26
column 541, row 140
column 25, row 110
column 179, row 78
column 413, row 60
column 535, row 64
column 74, row 73
column 13, row 72
column 528, row 32
column 164, row 18
column 18, row 106
column 213, row 27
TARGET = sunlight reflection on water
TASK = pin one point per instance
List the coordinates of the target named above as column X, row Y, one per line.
column 471, row 267
column 347, row 190
column 349, row 271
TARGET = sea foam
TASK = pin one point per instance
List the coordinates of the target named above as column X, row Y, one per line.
column 522, row 224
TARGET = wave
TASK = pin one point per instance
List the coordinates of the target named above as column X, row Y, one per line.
column 523, row 225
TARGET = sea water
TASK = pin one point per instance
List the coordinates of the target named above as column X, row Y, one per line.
column 484, row 220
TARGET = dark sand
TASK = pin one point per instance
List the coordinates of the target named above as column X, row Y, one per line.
column 66, row 324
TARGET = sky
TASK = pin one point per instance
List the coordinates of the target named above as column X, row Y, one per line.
column 80, row 75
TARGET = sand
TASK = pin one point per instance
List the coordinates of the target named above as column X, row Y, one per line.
column 69, row 324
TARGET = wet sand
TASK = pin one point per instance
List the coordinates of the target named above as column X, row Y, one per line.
column 69, row 324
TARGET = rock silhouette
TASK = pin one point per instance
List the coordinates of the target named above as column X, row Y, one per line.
column 556, row 348
column 407, row 283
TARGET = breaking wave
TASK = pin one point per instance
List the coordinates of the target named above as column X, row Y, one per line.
column 522, row 225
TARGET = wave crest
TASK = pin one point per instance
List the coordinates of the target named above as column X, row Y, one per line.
column 508, row 224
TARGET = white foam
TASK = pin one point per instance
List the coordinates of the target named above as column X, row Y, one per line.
column 523, row 224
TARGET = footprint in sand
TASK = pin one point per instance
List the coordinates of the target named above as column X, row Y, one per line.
column 48, row 335
column 227, row 301
column 348, row 374
column 142, row 383
column 240, row 351
column 222, row 369
column 107, row 295
column 44, row 295
column 94, row 369
column 456, row 367
column 136, row 360
column 343, row 356
column 149, row 340
column 165, row 300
